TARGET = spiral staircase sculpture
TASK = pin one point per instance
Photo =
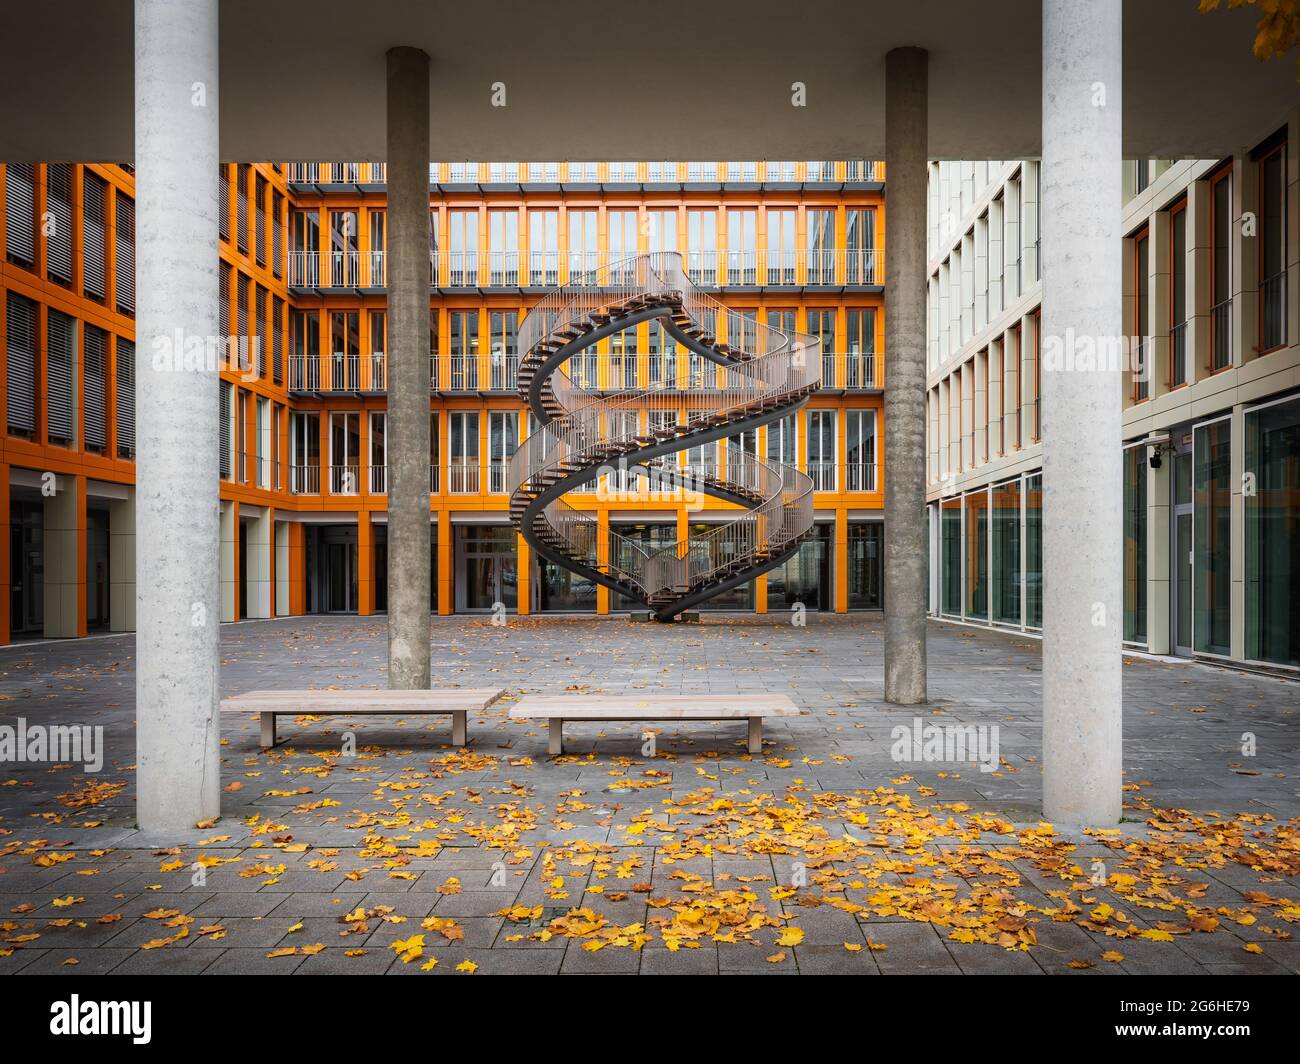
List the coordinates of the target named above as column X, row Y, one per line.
column 762, row 374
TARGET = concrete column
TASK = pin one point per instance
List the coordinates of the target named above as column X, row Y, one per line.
column 1082, row 300
column 178, row 778
column 906, row 170
column 228, row 561
column 257, row 588
column 282, row 569
column 121, row 563
column 65, row 569
column 408, row 378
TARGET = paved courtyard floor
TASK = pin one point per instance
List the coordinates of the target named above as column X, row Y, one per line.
column 824, row 855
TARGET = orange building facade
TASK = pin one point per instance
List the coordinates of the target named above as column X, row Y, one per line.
column 303, row 473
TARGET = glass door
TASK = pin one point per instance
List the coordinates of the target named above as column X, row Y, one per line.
column 1181, row 546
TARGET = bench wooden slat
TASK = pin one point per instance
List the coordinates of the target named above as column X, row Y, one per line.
column 458, row 701
column 558, row 708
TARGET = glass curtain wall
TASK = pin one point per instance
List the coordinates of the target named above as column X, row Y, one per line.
column 1272, row 533
column 1212, row 537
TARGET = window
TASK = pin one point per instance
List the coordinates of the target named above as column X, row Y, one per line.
column 782, row 441
column 1006, row 553
column 742, row 247
column 463, row 263
column 1141, row 367
column 860, row 450
column 950, row 557
column 504, row 327
column 702, row 247
column 378, row 452
column 58, row 229
column 544, row 248
column 582, row 247
column 60, row 398
column 241, row 205
column 277, row 234
column 503, row 245
column 821, row 325
column 124, row 244
column 860, row 246
column 345, row 452
column 860, row 344
column 503, row 438
column 821, row 246
column 780, row 247
column 345, row 350
column 1212, row 537
column 304, row 453
column 345, row 263
column 95, row 251
column 1034, row 551
column 821, row 449
column 375, row 276
column 1221, row 270
column 1272, row 250
column 1011, row 389
column 464, row 350
column 1135, row 544
column 20, row 213
column 663, row 230
column 1178, row 295
column 977, row 555
column 463, row 446
column 277, row 339
column 584, row 172
column 622, row 239
column 742, row 171
column 124, row 398
column 259, row 219
column 1272, row 531
column 95, row 366
column 20, row 361
column 262, row 443
column 623, row 172
column 223, row 201
column 225, row 411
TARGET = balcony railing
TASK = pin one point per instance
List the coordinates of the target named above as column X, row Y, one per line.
column 463, row 477
column 1221, row 335
column 337, row 269
column 345, row 479
column 1272, row 311
column 336, row 173
column 860, row 476
column 823, row 475
column 1178, row 355
column 497, row 475
column 338, row 372
column 304, row 479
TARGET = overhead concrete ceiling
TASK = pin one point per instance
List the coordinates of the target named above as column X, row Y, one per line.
column 610, row 79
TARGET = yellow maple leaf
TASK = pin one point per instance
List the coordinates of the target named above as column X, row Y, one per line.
column 791, row 936
column 467, row 966
column 409, row 949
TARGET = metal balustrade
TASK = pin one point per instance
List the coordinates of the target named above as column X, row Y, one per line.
column 345, row 478
column 762, row 374
column 463, row 477
column 860, row 476
column 304, row 479
column 803, row 268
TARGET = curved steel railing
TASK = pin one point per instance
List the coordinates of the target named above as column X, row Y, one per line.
column 761, row 374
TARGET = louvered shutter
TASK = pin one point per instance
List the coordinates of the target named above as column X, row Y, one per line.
column 224, row 418
column 125, row 397
column 241, row 205
column 58, row 245
column 225, row 303
column 20, row 360
column 96, row 358
column 277, row 339
column 223, row 192
column 96, row 250
column 259, row 220
column 20, row 212
column 241, row 287
column 60, row 403
column 125, row 248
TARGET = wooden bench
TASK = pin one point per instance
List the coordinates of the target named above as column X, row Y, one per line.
column 558, row 708
column 458, row 701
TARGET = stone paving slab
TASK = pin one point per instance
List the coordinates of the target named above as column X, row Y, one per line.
column 420, row 838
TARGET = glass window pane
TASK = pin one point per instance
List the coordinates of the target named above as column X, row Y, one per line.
column 1272, row 532
column 1212, row 537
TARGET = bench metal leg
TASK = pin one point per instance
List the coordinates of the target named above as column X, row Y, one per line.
column 268, row 730
column 555, row 743
column 755, row 735
column 458, row 729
